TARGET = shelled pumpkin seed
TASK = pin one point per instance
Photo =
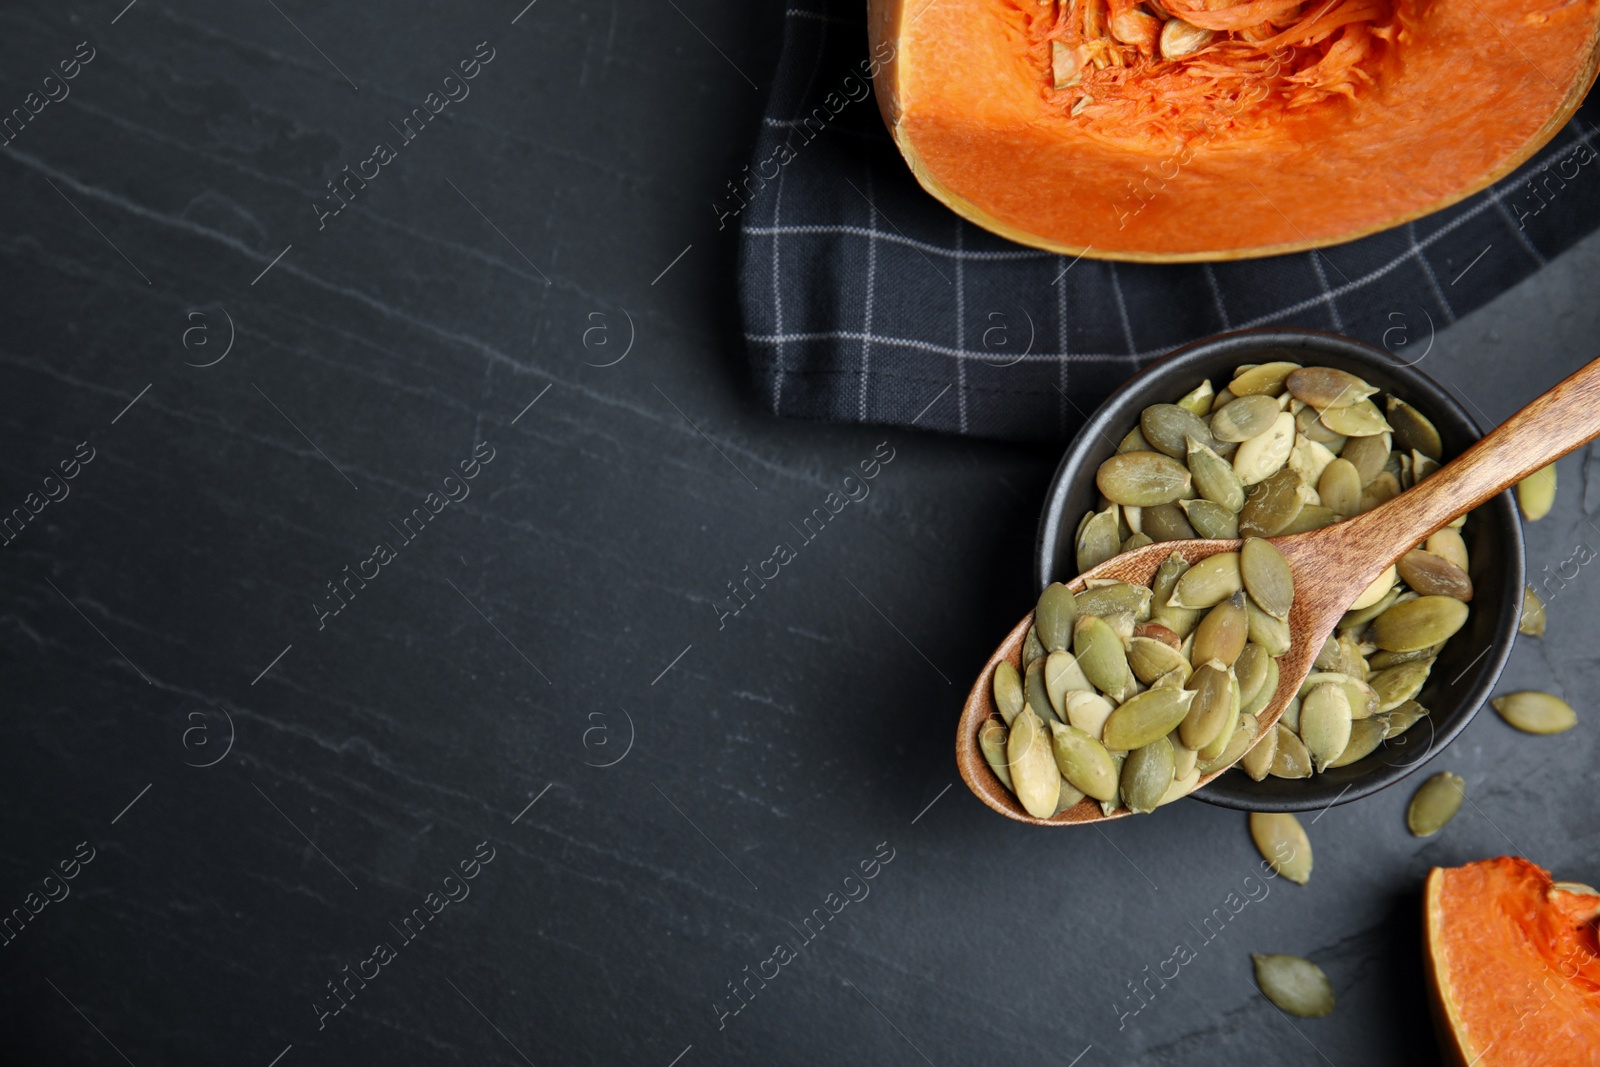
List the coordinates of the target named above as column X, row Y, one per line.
column 1296, row 985
column 1536, row 713
column 1435, row 803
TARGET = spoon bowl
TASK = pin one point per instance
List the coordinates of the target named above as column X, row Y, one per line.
column 1333, row 565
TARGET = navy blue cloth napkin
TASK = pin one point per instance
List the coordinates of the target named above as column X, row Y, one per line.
column 866, row 300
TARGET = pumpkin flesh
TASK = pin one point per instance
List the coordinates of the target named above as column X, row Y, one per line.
column 1512, row 965
column 1344, row 118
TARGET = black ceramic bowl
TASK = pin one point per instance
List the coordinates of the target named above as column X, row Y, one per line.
column 1471, row 662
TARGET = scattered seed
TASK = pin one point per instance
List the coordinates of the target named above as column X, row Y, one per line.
column 1531, row 622
column 1297, row 986
column 1534, row 712
column 1435, row 803
column 1283, row 843
column 1536, row 494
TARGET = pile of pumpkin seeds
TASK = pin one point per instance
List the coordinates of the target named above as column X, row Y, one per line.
column 1282, row 449
column 1130, row 694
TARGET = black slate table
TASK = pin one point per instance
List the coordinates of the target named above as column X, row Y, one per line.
column 370, row 660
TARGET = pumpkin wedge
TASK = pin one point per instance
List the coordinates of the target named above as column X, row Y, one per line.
column 1180, row 130
column 1513, row 972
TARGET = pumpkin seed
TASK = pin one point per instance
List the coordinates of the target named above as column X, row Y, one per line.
column 1035, row 693
column 1435, row 804
column 1283, row 843
column 1309, row 459
column 1150, row 659
column 1272, row 505
column 1211, row 707
column 1307, row 422
column 1062, row 674
column 1251, row 670
column 1534, row 712
column 1101, row 655
column 1271, row 634
column 1311, row 517
column 1269, row 686
column 1133, row 441
column 1396, row 685
column 1290, row 719
column 1244, row 733
column 1325, row 723
column 1433, row 575
column 1380, row 587
column 1225, row 738
column 1087, row 711
column 1367, row 455
column 1264, row 379
column 1166, row 578
column 1328, row 659
column 1066, row 67
column 1214, row 477
column 1109, row 806
column 1365, row 737
column 1182, row 785
column 1536, row 494
column 1032, row 649
column 1145, row 717
column 1361, row 419
column 1099, row 539
column 1108, row 599
column 1402, row 719
column 1053, row 617
column 1266, row 577
column 1291, row 760
column 1412, row 430
column 1208, row 583
column 1222, row 634
column 1340, row 486
column 1223, row 398
column 1246, row 417
column 1167, row 522
column 1007, row 687
column 992, row 742
column 1419, row 623
column 1265, row 453
column 1297, row 986
column 1449, row 544
column 1382, row 661
column 1069, row 798
column 1157, row 632
column 1363, row 700
column 1421, row 466
column 1033, row 767
column 1146, row 775
column 1382, row 489
column 1169, row 429
column 1198, row 400
column 1143, row 479
column 1185, row 759
column 1359, row 617
column 1531, row 622
column 1211, row 519
column 1328, row 387
column 1084, row 762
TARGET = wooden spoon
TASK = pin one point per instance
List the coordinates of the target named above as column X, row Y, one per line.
column 1332, row 566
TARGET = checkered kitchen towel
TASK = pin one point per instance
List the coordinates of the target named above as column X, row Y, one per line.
column 865, row 300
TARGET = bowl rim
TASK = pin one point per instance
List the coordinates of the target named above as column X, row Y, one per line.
column 1234, row 791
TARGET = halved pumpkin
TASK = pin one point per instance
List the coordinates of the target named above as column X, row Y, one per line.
column 1174, row 130
column 1513, row 971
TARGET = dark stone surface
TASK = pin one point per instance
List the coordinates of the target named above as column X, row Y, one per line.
column 569, row 596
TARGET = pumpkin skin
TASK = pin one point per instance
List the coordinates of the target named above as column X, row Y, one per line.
column 1474, row 90
column 1513, row 973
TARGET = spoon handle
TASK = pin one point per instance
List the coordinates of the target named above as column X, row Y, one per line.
column 1563, row 419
